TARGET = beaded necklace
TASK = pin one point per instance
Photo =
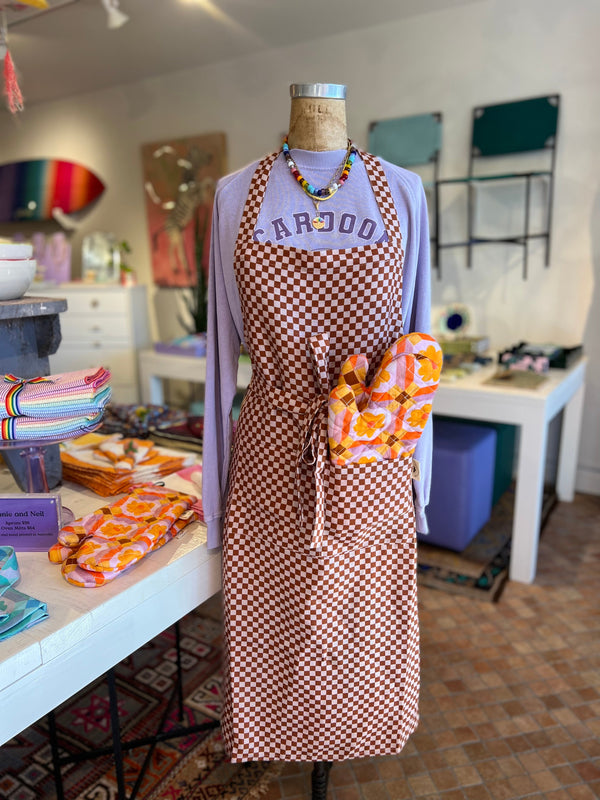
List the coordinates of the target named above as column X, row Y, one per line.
column 327, row 192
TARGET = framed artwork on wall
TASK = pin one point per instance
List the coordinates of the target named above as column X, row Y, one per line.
column 180, row 176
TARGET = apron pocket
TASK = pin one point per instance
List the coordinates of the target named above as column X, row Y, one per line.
column 360, row 499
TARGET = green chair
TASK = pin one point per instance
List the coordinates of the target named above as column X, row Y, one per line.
column 411, row 142
column 505, row 129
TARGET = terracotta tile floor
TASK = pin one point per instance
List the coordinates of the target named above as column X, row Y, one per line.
column 510, row 698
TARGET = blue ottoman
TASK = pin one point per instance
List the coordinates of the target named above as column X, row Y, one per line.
column 506, row 436
column 462, row 483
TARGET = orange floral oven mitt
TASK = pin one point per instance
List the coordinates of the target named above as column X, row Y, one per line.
column 95, row 549
column 386, row 419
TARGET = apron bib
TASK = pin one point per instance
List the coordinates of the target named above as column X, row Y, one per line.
column 319, row 559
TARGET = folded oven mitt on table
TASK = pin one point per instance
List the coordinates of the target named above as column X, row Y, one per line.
column 18, row 611
column 94, row 549
column 385, row 419
column 83, row 393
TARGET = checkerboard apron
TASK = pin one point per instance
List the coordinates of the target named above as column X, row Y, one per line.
column 319, row 576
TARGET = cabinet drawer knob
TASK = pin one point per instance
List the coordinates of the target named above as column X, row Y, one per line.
column 94, row 303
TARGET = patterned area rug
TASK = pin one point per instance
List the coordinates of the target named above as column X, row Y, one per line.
column 191, row 767
column 481, row 569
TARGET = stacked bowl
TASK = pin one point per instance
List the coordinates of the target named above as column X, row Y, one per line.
column 17, row 269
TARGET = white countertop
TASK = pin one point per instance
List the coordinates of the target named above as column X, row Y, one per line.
column 90, row 630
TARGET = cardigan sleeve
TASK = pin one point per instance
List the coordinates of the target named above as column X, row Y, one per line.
column 417, row 316
column 222, row 353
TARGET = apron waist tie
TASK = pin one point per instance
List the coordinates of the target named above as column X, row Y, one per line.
column 311, row 418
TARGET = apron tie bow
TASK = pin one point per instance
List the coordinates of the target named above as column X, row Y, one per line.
column 311, row 429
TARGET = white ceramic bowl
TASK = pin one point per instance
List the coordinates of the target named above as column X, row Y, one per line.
column 16, row 276
column 17, row 250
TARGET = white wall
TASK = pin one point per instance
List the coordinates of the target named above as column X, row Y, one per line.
column 484, row 52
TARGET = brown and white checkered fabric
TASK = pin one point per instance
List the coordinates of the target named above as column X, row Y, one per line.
column 322, row 643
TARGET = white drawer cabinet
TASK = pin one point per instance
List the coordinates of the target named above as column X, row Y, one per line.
column 103, row 325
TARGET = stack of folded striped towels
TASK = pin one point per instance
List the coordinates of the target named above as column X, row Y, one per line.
column 54, row 407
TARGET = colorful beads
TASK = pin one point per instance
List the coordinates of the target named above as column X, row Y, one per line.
column 336, row 182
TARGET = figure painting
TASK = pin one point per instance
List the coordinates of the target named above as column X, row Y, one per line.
column 179, row 185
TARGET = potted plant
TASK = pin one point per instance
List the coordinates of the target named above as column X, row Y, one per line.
column 126, row 273
column 195, row 298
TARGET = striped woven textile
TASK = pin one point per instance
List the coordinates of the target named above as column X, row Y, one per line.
column 67, row 394
column 49, row 429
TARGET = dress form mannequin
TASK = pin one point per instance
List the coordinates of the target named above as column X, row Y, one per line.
column 318, row 123
column 280, row 281
column 318, row 117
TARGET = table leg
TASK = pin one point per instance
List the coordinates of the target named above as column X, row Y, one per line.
column 116, row 732
column 569, row 447
column 151, row 388
column 528, row 501
column 56, row 766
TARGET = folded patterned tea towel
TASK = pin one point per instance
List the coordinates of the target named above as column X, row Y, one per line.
column 95, row 549
column 18, row 611
column 130, row 419
column 48, row 429
column 125, row 453
column 66, row 394
column 93, row 462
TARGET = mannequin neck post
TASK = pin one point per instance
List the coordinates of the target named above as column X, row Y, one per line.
column 318, row 123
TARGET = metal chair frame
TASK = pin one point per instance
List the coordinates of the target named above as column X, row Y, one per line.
column 506, row 129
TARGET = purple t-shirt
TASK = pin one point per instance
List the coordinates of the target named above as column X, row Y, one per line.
column 351, row 218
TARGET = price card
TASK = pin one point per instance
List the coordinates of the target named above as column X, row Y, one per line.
column 29, row 521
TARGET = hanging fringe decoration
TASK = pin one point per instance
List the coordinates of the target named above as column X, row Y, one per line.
column 11, row 85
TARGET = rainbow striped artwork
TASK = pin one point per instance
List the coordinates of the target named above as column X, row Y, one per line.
column 31, row 190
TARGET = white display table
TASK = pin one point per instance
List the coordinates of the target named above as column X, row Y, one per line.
column 532, row 411
column 153, row 367
column 90, row 630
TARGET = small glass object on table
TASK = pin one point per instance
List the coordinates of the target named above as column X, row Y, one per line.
column 32, row 450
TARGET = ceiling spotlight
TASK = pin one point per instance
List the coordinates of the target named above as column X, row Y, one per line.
column 116, row 18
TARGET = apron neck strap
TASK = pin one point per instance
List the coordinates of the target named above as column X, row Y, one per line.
column 383, row 194
column 258, row 185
